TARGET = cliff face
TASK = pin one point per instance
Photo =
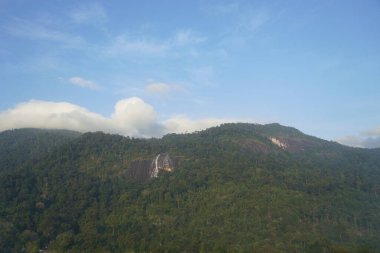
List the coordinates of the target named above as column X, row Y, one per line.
column 145, row 169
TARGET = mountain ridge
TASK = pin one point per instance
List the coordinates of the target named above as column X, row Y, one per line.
column 234, row 189
column 269, row 129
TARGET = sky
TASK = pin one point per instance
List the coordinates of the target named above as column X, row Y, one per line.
column 147, row 68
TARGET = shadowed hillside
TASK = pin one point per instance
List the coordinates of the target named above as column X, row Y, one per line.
column 20, row 145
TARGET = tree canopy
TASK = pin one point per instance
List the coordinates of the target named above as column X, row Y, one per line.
column 234, row 191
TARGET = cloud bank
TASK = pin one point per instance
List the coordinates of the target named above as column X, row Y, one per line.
column 131, row 117
column 360, row 141
column 368, row 139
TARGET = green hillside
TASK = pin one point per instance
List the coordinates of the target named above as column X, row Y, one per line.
column 20, row 145
column 236, row 188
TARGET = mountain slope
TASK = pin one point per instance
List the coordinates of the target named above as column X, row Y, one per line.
column 235, row 190
column 20, row 145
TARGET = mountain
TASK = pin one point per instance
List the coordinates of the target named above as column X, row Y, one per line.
column 20, row 145
column 233, row 188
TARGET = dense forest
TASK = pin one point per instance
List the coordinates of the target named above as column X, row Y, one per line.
column 235, row 188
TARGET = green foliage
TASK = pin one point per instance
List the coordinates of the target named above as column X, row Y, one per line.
column 20, row 145
column 234, row 191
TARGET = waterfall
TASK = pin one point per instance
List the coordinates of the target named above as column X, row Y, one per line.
column 155, row 171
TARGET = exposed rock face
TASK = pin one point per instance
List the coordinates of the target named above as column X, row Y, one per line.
column 161, row 162
column 139, row 170
column 279, row 143
column 145, row 169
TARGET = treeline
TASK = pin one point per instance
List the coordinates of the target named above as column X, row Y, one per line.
column 234, row 191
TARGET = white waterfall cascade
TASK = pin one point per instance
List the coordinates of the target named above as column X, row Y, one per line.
column 155, row 171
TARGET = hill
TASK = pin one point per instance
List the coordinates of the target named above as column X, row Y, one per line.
column 20, row 145
column 236, row 188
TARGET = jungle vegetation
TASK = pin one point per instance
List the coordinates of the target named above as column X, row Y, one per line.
column 234, row 190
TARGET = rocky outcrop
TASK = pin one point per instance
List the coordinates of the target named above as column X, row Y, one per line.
column 144, row 169
column 278, row 142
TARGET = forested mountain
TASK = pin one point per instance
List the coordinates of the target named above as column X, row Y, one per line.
column 235, row 188
column 20, row 145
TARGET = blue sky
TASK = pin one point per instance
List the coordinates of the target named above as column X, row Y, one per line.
column 146, row 68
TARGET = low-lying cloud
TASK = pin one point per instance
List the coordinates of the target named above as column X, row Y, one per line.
column 131, row 117
column 368, row 139
column 182, row 124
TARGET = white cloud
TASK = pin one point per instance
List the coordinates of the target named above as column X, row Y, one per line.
column 246, row 27
column 89, row 14
column 352, row 141
column 34, row 31
column 253, row 20
column 374, row 132
column 244, row 22
column 360, row 141
column 136, row 118
column 81, row 82
column 244, row 18
column 182, row 124
column 126, row 45
column 179, row 44
column 372, row 142
column 162, row 89
column 368, row 139
column 45, row 114
column 187, row 37
column 131, row 117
